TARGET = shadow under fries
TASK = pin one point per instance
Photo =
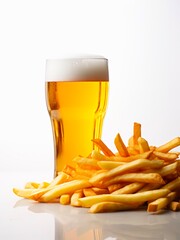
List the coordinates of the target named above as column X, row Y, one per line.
column 73, row 223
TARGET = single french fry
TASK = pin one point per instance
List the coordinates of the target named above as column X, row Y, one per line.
column 75, row 197
column 132, row 151
column 37, row 194
column 99, row 156
column 109, row 164
column 124, row 198
column 43, row 185
column 120, row 146
column 171, row 177
column 65, row 199
column 150, row 186
column 80, row 176
column 132, row 146
column 88, row 192
column 61, row 178
column 69, row 170
column 116, row 186
column 100, row 190
column 133, row 141
column 102, row 146
column 137, row 164
column 165, row 171
column 145, row 155
column 173, row 185
column 32, row 185
column 166, row 156
column 24, row 193
column 169, row 145
column 110, row 207
column 64, row 188
column 137, row 132
column 130, row 188
column 134, row 177
column 86, row 163
column 168, row 169
column 174, row 206
column 85, row 172
column 143, row 145
column 161, row 203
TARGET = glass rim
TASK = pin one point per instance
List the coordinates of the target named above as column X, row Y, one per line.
column 76, row 57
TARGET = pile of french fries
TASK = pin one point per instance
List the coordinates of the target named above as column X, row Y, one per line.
column 137, row 176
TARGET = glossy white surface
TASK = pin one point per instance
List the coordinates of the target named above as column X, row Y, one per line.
column 23, row 219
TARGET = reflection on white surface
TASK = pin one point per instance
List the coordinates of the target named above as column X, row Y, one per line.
column 78, row 224
column 23, row 219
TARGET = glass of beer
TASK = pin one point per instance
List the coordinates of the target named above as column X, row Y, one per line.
column 76, row 97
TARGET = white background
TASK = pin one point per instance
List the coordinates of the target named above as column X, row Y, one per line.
column 140, row 38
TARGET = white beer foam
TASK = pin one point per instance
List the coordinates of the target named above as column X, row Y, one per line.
column 81, row 68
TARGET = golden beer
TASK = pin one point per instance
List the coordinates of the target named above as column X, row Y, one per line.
column 77, row 108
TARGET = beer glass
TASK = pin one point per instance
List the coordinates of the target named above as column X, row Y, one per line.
column 76, row 97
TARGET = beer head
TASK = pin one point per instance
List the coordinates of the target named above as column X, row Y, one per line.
column 94, row 68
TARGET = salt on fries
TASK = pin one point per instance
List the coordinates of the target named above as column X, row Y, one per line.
column 137, row 176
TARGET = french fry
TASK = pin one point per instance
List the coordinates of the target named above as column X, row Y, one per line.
column 61, row 178
column 124, row 198
column 85, row 172
column 69, row 170
column 102, row 146
column 137, row 164
column 80, row 176
column 132, row 151
column 143, row 145
column 116, row 186
column 99, row 156
column 110, row 207
column 43, row 185
column 131, row 144
column 145, row 155
column 37, row 194
column 109, row 164
column 120, row 146
column 175, row 206
column 150, row 186
column 173, row 185
column 164, row 171
column 31, row 185
column 169, row 145
column 169, row 169
column 86, row 163
column 130, row 188
column 137, row 175
column 75, row 197
column 65, row 199
column 133, row 141
column 88, row 192
column 64, row 188
column 99, row 191
column 166, row 156
column 161, row 203
column 24, row 193
column 137, row 132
